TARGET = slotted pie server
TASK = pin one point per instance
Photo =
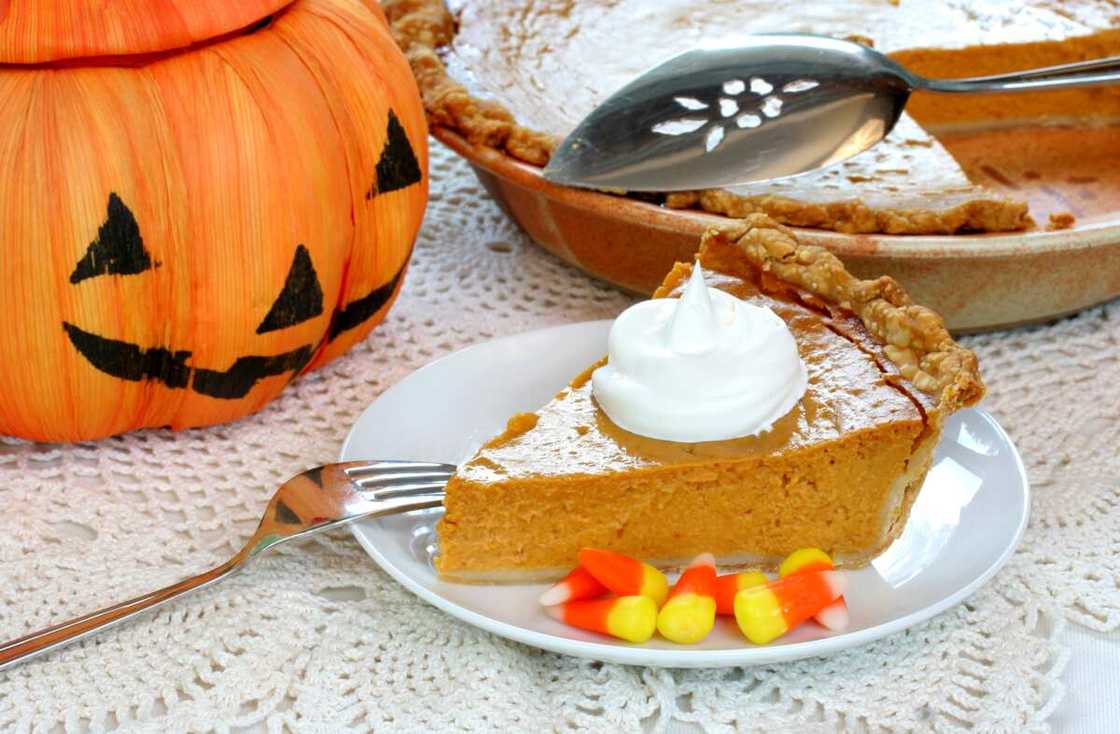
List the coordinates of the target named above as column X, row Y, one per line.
column 775, row 105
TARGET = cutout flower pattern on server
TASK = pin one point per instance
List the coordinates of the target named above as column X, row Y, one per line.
column 743, row 104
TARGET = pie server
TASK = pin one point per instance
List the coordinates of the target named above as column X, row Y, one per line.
column 776, row 105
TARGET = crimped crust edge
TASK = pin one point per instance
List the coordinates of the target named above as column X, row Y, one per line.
column 912, row 337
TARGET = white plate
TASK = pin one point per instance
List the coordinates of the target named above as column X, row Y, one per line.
column 965, row 524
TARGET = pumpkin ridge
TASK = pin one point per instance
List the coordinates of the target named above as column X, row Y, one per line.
column 170, row 160
column 350, row 173
column 170, row 164
column 347, row 316
column 230, row 63
column 395, row 136
column 315, row 10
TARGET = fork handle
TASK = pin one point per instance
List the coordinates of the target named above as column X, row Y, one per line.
column 44, row 640
column 1063, row 76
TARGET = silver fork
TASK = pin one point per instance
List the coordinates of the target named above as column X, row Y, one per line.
column 318, row 499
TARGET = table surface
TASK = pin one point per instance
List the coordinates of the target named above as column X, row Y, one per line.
column 315, row 638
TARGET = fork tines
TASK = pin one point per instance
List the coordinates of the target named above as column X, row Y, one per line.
column 400, row 478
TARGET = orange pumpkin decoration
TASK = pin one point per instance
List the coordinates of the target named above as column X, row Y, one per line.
column 200, row 200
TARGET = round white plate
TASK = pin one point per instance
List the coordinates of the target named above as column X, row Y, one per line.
column 966, row 522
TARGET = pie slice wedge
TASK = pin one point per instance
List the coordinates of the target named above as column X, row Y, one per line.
column 840, row 471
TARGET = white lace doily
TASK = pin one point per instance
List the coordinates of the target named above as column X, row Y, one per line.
column 316, row 638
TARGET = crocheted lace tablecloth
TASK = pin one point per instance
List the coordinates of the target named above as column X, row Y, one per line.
column 316, row 638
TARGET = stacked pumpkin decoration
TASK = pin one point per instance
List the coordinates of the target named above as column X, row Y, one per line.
column 200, row 200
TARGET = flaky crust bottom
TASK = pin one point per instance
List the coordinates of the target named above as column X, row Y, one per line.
column 420, row 27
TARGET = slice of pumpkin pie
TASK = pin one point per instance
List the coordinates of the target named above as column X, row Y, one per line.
column 785, row 404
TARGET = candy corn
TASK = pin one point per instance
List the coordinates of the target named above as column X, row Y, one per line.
column 833, row 617
column 805, row 559
column 765, row 613
column 690, row 612
column 631, row 618
column 623, row 575
column 579, row 584
column 728, row 585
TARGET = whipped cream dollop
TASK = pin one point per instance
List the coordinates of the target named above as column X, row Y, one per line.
column 703, row 367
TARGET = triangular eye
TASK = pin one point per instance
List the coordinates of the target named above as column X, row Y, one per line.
column 397, row 168
column 301, row 298
column 118, row 249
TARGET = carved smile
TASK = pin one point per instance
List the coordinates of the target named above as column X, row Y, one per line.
column 159, row 364
column 132, row 362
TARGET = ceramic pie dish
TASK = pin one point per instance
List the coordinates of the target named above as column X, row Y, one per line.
column 991, row 212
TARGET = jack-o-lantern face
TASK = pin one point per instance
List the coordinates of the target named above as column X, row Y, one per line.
column 184, row 233
column 119, row 250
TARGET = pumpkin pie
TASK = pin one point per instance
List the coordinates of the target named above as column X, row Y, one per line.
column 519, row 75
column 840, row 471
